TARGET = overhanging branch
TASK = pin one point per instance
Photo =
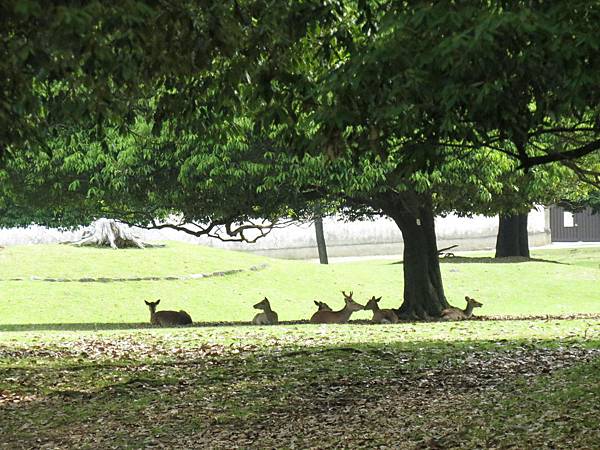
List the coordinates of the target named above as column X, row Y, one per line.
column 528, row 162
column 225, row 231
column 590, row 177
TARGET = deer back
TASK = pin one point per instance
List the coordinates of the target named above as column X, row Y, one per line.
column 384, row 316
column 266, row 318
column 340, row 316
column 170, row 318
column 453, row 314
column 330, row 317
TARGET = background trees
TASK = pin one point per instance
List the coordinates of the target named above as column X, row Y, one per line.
column 373, row 108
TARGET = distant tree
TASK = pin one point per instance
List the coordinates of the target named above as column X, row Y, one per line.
column 321, row 244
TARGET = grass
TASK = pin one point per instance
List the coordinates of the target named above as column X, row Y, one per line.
column 456, row 385
column 556, row 282
column 81, row 368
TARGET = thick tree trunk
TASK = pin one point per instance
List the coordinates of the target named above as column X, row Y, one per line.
column 423, row 288
column 108, row 232
column 512, row 236
column 321, row 245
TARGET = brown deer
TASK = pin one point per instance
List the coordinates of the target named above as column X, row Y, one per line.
column 268, row 317
column 380, row 315
column 340, row 316
column 322, row 306
column 454, row 313
column 167, row 318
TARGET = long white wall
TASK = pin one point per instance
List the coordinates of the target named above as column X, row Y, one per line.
column 379, row 237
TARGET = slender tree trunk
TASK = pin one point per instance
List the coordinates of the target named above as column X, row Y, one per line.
column 423, row 288
column 513, row 239
column 321, row 246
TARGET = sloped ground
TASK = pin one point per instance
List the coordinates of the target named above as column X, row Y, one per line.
column 307, row 387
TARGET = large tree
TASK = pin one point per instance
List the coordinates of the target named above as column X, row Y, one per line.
column 369, row 106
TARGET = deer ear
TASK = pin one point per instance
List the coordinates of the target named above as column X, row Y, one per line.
column 467, row 298
column 157, row 302
column 316, row 302
column 146, row 303
column 378, row 299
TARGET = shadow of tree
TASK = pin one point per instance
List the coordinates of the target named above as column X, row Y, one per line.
column 491, row 260
column 22, row 327
column 420, row 383
column 130, row 326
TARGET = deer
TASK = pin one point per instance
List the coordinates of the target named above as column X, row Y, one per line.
column 454, row 313
column 340, row 316
column 167, row 318
column 380, row 315
column 268, row 317
column 322, row 306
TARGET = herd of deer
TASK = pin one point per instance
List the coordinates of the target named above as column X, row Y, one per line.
column 324, row 313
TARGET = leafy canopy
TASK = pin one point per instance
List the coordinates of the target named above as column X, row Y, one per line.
column 277, row 105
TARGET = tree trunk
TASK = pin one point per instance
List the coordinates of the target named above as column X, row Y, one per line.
column 109, row 232
column 423, row 288
column 512, row 236
column 321, row 245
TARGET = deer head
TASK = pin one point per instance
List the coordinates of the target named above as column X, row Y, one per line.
column 373, row 304
column 152, row 305
column 322, row 306
column 263, row 304
column 472, row 302
column 350, row 303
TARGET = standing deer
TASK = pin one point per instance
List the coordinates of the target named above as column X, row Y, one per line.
column 322, row 306
column 380, row 315
column 167, row 318
column 454, row 313
column 340, row 316
column 268, row 317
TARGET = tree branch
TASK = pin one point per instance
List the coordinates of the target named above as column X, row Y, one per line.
column 528, row 162
column 572, row 129
column 225, row 231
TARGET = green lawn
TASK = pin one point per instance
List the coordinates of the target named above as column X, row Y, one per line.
column 80, row 367
column 556, row 282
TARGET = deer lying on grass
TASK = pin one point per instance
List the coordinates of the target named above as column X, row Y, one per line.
column 322, row 306
column 454, row 313
column 340, row 316
column 268, row 317
column 380, row 315
column 167, row 318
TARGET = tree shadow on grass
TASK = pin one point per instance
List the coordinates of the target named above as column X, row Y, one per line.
column 413, row 383
column 101, row 326
column 491, row 260
column 366, row 322
column 130, row 326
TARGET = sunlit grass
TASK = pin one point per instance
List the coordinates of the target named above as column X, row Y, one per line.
column 557, row 282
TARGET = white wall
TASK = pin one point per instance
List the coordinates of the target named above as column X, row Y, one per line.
column 380, row 237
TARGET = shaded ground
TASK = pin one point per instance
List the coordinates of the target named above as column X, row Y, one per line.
column 143, row 391
column 87, row 326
